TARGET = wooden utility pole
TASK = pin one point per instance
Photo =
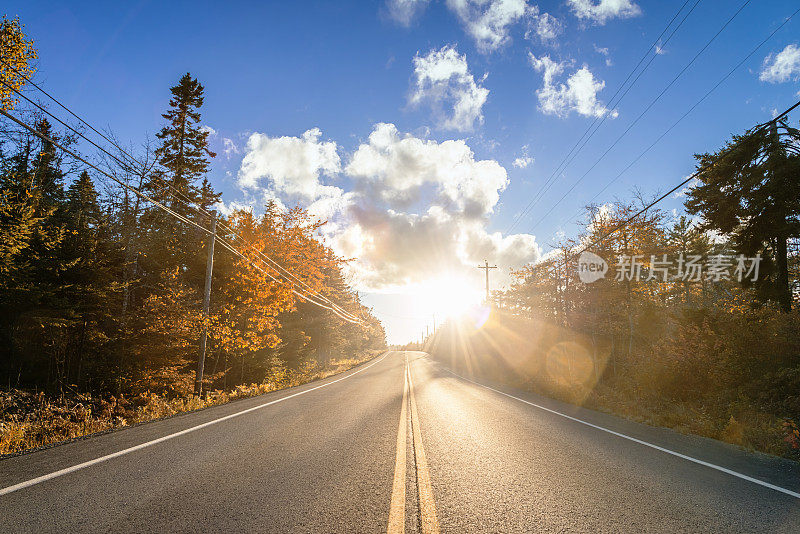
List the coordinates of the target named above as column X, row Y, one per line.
column 486, row 268
column 201, row 361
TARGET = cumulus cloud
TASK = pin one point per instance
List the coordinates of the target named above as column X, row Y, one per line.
column 226, row 208
column 404, row 11
column 394, row 167
column 442, row 80
column 418, row 208
column 397, row 245
column 397, row 249
column 544, row 25
column 489, row 21
column 579, row 94
column 781, row 67
column 292, row 165
column 601, row 11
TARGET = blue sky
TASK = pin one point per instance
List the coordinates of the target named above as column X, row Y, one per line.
column 401, row 121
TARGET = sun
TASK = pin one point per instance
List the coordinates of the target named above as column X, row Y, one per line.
column 448, row 297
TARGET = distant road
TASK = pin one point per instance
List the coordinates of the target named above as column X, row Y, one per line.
column 347, row 455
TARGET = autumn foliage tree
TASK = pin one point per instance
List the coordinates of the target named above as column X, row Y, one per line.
column 18, row 54
column 101, row 289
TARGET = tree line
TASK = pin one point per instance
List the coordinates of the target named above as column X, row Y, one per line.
column 717, row 352
column 101, row 288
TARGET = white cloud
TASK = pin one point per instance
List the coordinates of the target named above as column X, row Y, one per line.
column 394, row 167
column 544, row 25
column 522, row 160
column 417, row 211
column 211, row 131
column 291, row 164
column 227, row 208
column 579, row 94
column 601, row 11
column 781, row 67
column 229, row 147
column 404, row 11
column 489, row 21
column 397, row 246
column 398, row 249
column 603, row 51
column 443, row 79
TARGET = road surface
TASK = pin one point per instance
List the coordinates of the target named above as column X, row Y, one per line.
column 397, row 444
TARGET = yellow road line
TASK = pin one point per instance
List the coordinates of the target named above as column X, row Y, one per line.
column 397, row 510
column 427, row 506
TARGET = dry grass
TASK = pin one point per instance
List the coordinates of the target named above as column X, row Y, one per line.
column 29, row 420
column 739, row 424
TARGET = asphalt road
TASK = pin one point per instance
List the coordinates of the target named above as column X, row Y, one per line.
column 329, row 457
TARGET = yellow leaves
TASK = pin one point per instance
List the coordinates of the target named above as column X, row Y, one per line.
column 17, row 53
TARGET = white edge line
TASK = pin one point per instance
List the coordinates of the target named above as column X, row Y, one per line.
column 639, row 441
column 77, row 467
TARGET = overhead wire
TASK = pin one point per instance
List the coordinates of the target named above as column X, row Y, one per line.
column 163, row 207
column 611, row 104
column 689, row 111
column 685, row 181
column 176, row 193
column 639, row 117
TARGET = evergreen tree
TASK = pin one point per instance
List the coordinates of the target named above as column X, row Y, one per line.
column 183, row 159
column 184, row 151
column 208, row 197
column 82, row 252
column 749, row 190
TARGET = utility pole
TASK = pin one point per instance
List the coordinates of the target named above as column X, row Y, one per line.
column 486, row 268
column 201, row 361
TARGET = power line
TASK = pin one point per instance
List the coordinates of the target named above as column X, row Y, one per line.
column 547, row 186
column 178, row 216
column 611, row 104
column 176, row 193
column 692, row 108
column 639, row 117
column 691, row 177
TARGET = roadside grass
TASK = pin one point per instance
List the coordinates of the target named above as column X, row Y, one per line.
column 739, row 423
column 30, row 420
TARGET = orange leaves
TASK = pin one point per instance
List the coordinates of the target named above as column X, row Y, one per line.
column 18, row 52
column 282, row 256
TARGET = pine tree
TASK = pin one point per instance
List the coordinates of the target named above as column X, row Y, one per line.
column 81, row 250
column 184, row 152
column 749, row 190
column 207, row 196
column 183, row 159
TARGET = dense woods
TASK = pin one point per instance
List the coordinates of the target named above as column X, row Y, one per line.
column 709, row 354
column 101, row 288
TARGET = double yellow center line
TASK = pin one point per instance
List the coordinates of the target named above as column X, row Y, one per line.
column 397, row 511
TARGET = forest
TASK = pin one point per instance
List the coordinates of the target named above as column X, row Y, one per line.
column 715, row 353
column 102, row 274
